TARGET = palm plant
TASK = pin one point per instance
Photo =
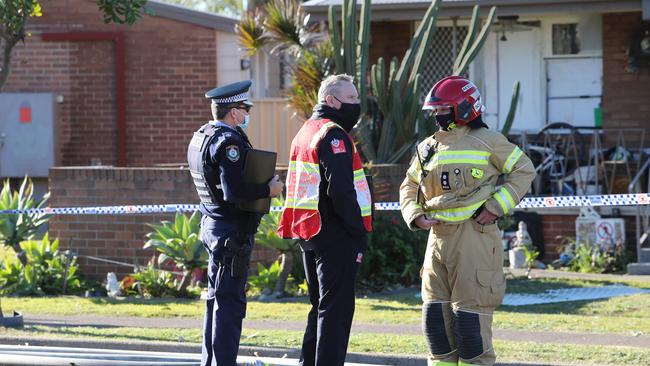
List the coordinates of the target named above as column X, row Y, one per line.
column 179, row 242
column 397, row 122
column 16, row 228
column 281, row 28
column 267, row 236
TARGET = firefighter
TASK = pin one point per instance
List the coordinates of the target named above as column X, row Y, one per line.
column 451, row 190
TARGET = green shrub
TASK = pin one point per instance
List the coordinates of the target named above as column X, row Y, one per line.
column 44, row 271
column 179, row 242
column 14, row 229
column 394, row 255
column 265, row 280
column 151, row 282
column 587, row 258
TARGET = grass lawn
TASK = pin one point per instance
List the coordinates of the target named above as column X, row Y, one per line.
column 367, row 342
column 624, row 315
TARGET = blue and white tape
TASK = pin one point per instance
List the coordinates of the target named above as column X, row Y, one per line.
column 528, row 202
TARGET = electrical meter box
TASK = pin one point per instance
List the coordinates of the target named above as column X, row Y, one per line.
column 27, row 134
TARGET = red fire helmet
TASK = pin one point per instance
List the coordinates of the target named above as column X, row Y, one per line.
column 459, row 93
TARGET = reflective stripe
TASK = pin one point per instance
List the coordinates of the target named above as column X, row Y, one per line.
column 305, row 204
column 445, row 363
column 462, row 363
column 455, row 214
column 476, row 157
column 505, row 199
column 363, row 192
column 303, row 166
column 512, row 160
column 413, row 172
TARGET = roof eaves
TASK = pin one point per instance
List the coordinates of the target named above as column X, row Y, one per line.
column 188, row 15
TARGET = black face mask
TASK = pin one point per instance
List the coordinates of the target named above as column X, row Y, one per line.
column 444, row 121
column 350, row 113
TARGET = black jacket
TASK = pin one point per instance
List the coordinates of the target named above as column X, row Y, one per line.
column 340, row 213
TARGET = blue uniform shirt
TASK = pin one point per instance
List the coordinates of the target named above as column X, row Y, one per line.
column 227, row 153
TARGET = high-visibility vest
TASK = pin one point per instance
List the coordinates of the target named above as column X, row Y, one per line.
column 300, row 217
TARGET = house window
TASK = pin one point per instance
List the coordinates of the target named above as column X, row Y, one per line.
column 566, row 39
column 446, row 44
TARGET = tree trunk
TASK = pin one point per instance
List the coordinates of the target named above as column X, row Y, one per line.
column 6, row 57
column 185, row 281
column 286, row 262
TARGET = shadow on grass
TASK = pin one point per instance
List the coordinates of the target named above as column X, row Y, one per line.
column 77, row 331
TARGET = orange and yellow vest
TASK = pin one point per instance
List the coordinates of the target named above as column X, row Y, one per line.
column 301, row 218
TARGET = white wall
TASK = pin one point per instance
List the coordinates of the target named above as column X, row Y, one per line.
column 525, row 56
column 228, row 59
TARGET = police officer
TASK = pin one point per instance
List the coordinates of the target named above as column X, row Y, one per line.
column 216, row 156
column 451, row 190
column 328, row 207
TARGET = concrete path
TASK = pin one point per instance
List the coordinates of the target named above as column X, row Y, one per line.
column 542, row 273
column 501, row 334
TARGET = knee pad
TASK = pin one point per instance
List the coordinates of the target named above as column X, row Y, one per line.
column 433, row 326
column 467, row 332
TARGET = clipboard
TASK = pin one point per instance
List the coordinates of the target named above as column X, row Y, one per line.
column 259, row 168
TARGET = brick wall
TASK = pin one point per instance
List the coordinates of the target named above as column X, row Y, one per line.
column 625, row 94
column 169, row 65
column 117, row 237
column 121, row 237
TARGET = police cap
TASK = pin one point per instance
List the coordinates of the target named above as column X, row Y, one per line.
column 231, row 93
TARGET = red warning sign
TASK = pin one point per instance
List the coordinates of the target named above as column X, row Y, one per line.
column 25, row 113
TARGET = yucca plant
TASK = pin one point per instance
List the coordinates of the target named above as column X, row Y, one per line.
column 45, row 270
column 179, row 242
column 16, row 228
column 267, row 236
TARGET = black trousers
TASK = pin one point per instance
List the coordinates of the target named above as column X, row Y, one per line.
column 225, row 307
column 331, row 269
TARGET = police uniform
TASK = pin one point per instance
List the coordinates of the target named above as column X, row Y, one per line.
column 454, row 177
column 328, row 207
column 216, row 156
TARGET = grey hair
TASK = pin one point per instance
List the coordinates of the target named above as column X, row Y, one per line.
column 331, row 84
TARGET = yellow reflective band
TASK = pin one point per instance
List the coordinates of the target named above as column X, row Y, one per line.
column 505, row 200
column 462, row 363
column 302, row 166
column 475, row 157
column 455, row 214
column 512, row 160
column 445, row 363
column 413, row 172
column 302, row 204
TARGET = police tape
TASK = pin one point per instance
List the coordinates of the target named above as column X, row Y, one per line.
column 634, row 199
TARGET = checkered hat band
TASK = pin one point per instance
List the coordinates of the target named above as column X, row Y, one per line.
column 235, row 98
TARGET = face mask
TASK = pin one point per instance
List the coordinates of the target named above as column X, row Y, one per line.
column 350, row 114
column 445, row 121
column 244, row 125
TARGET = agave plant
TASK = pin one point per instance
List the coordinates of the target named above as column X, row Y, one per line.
column 179, row 242
column 267, row 236
column 17, row 228
column 513, row 108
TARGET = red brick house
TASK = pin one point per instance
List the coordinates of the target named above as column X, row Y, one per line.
column 124, row 95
